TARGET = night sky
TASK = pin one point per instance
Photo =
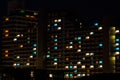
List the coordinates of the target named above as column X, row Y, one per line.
column 83, row 6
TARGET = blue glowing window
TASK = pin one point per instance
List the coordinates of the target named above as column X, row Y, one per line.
column 55, row 40
column 34, row 45
column 48, row 56
column 96, row 24
column 55, row 24
column 71, row 67
column 55, row 47
column 100, row 62
column 79, row 38
column 100, row 44
column 55, row 59
column 117, row 48
column 116, row 39
column 18, row 64
column 71, row 75
column 75, row 70
column 34, row 52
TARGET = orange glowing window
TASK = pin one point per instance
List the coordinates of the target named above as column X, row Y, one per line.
column 55, row 43
column 6, row 19
column 21, row 46
column 67, row 47
column 48, row 48
column 6, row 55
column 96, row 62
column 32, row 16
column 6, row 35
column 6, row 51
column 27, row 16
column 67, row 59
column 6, row 31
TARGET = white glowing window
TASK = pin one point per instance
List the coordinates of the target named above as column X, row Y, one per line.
column 66, row 75
column 78, row 75
column 27, row 64
column 87, row 37
column 117, row 44
column 35, row 13
column 55, row 63
column 87, row 54
column 91, row 66
column 18, row 35
column 79, row 50
column 117, row 53
column 14, row 64
column 34, row 48
column 80, row 23
column 100, row 28
column 83, row 74
column 100, row 66
column 31, row 56
column 91, row 54
column 117, row 31
column 83, row 66
column 91, row 33
column 50, row 75
column 18, row 57
column 15, row 39
column 83, row 58
column 66, row 67
column 59, row 28
column 70, row 47
column 75, row 67
column 79, row 62
column 59, row 20
column 22, row 35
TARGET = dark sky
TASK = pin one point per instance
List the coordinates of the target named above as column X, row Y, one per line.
column 94, row 7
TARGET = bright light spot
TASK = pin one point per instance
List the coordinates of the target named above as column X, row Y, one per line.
column 100, row 28
column 55, row 63
column 51, row 75
column 87, row 37
column 117, row 44
column 18, row 35
column 66, row 67
column 96, row 24
column 31, row 56
column 59, row 28
column 79, row 50
column 27, row 64
column 91, row 66
column 117, row 31
column 15, row 39
column 75, row 67
column 100, row 66
column 70, row 47
column 91, row 33
column 91, row 54
column 34, row 49
column 14, row 64
column 117, row 53
column 79, row 62
column 83, row 66
column 87, row 54
column 21, row 46
column 18, row 57
column 6, row 31
column 59, row 20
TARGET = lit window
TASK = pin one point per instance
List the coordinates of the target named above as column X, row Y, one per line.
column 55, row 43
column 56, row 36
column 117, row 40
column 117, row 44
column 78, row 75
column 18, row 64
column 100, row 62
column 47, row 56
column 83, row 66
column 79, row 50
column 6, row 51
column 75, row 67
column 6, row 35
column 55, row 59
column 100, row 66
column 55, row 63
column 55, row 24
column 91, row 66
column 6, row 19
column 18, row 57
column 79, row 62
column 87, row 37
column 14, row 64
column 35, row 13
column 27, row 64
column 67, row 59
column 117, row 53
column 75, row 70
column 71, row 75
column 6, row 31
column 34, row 52
column 59, row 28
column 117, row 48
column 21, row 46
column 34, row 45
column 59, row 20
column 50, row 75
column 66, row 75
column 91, row 54
column 70, row 47
column 117, row 31
column 55, row 40
column 71, row 42
column 80, row 23
column 31, row 56
column 100, row 44
column 83, row 74
column 70, row 67
column 34, row 49
column 55, row 48
column 22, row 35
column 83, row 58
column 27, row 16
column 91, row 33
column 15, row 39
column 55, row 20
column 99, row 28
column 87, row 54
column 67, row 47
column 66, row 67
column 18, row 35
column 32, row 17
column 6, row 55
column 79, row 38
column 96, row 24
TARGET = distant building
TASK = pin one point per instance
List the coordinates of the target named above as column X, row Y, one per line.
column 22, row 41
